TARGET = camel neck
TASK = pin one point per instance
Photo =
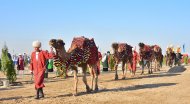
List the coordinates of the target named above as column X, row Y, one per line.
column 63, row 54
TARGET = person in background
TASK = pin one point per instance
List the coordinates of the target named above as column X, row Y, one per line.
column 98, row 63
column 50, row 65
column 20, row 64
column 134, row 65
column 38, row 67
column 15, row 60
column 105, row 61
column 161, row 62
column 25, row 59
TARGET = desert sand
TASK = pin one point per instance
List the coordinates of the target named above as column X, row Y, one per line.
column 168, row 86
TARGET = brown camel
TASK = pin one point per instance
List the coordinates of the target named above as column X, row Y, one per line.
column 122, row 52
column 147, row 56
column 83, row 52
column 158, row 57
column 170, row 57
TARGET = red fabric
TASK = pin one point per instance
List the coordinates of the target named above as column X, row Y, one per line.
column 93, row 58
column 38, row 67
column 78, row 42
column 20, row 63
column 129, row 66
column 121, row 47
column 98, row 63
column 85, row 47
column 135, row 56
column 147, row 48
column 157, row 48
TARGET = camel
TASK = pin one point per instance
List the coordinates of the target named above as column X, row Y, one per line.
column 122, row 52
column 82, row 53
column 147, row 56
column 158, row 57
column 171, row 56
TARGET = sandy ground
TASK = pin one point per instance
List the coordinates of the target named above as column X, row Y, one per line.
column 169, row 86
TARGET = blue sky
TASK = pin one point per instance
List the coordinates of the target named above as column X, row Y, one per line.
column 161, row 22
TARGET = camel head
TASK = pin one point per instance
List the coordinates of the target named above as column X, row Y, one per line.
column 141, row 45
column 115, row 47
column 56, row 43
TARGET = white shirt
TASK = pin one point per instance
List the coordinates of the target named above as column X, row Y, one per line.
column 37, row 55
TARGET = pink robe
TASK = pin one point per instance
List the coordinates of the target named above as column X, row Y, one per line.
column 20, row 63
column 98, row 63
column 135, row 61
column 39, row 66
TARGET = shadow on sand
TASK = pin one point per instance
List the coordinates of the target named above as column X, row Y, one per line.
column 148, row 76
column 128, row 88
column 15, row 98
column 174, row 71
column 177, row 69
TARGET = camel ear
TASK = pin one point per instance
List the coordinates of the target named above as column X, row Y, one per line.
column 60, row 42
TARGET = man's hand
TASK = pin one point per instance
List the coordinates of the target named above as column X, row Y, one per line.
column 31, row 72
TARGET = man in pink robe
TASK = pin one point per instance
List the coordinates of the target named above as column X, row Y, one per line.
column 38, row 67
column 134, row 67
column 98, row 63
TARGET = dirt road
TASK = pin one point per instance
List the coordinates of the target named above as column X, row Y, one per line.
column 169, row 86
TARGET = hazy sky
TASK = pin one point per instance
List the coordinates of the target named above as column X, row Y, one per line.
column 161, row 22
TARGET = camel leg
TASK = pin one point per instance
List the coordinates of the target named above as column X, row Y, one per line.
column 155, row 66
column 76, row 82
column 159, row 65
column 115, row 67
column 94, row 68
column 124, row 71
column 92, row 76
column 151, row 68
column 84, row 68
column 143, row 65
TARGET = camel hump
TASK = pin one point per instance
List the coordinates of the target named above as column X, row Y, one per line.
column 157, row 48
column 80, row 42
column 124, row 47
column 120, row 47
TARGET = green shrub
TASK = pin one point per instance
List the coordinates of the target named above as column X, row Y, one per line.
column 111, row 62
column 7, row 66
column 186, row 60
column 0, row 64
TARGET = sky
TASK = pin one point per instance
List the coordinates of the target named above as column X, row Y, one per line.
column 161, row 22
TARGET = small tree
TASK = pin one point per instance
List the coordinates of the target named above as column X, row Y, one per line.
column 7, row 65
column 0, row 64
column 25, row 60
column 111, row 62
column 186, row 60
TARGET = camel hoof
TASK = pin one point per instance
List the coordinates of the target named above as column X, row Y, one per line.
column 123, row 78
column 96, row 89
column 75, row 94
column 88, row 90
column 149, row 72
column 116, row 77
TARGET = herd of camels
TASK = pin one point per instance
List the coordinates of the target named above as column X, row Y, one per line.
column 84, row 53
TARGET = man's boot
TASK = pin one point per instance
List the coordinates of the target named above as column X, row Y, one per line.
column 41, row 93
column 37, row 94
